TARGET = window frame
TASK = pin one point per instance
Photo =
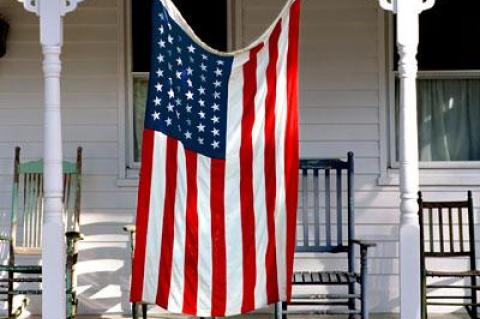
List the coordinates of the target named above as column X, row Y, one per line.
column 132, row 167
column 393, row 161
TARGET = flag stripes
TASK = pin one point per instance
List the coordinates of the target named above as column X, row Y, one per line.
column 215, row 236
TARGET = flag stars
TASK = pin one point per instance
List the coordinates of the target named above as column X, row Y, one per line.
column 178, row 101
column 201, row 102
column 189, row 71
column 201, row 127
column 188, row 108
column 204, row 57
column 217, row 83
column 157, row 101
column 171, row 93
column 200, row 140
column 179, row 49
column 179, row 61
column 215, row 119
column 161, row 43
column 218, row 72
column 170, row 39
column 170, row 107
column 203, row 78
column 215, row 144
column 159, row 73
column 191, row 48
column 178, row 75
column 215, row 132
column 160, row 58
column 201, row 90
column 201, row 114
column 216, row 95
column 159, row 87
column 203, row 67
column 188, row 135
column 220, row 62
column 161, row 29
column 215, row 107
column 168, row 121
column 189, row 83
column 189, row 95
column 156, row 116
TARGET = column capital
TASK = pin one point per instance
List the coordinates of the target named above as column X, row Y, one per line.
column 392, row 5
column 66, row 6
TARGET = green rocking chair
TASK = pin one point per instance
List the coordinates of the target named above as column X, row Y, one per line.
column 26, row 234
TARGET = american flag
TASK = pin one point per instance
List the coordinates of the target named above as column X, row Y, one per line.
column 218, row 185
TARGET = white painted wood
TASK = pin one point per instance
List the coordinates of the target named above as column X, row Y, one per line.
column 407, row 12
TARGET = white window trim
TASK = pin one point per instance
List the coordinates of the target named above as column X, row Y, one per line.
column 128, row 168
column 458, row 173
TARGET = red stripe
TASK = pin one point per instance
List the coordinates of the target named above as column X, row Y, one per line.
column 219, row 268
column 165, row 271
column 270, row 170
column 291, row 140
column 138, row 266
column 191, row 237
column 246, row 182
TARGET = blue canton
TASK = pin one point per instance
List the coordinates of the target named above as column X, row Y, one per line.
column 188, row 89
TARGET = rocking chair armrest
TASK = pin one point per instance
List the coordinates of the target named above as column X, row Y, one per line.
column 364, row 243
column 74, row 235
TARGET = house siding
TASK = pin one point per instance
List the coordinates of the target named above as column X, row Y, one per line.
column 341, row 110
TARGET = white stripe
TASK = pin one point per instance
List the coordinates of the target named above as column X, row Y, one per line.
column 175, row 298
column 260, row 209
column 204, row 295
column 280, row 123
column 155, row 219
column 233, row 224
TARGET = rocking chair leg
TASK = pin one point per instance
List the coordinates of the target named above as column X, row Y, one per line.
column 363, row 283
column 134, row 310
column 144, row 311
column 10, row 296
column 474, row 298
column 278, row 310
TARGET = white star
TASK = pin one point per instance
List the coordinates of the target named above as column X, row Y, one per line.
column 220, row 62
column 179, row 61
column 204, row 57
column 217, row 83
column 178, row 101
column 189, row 95
column 160, row 58
column 170, row 39
column 157, row 101
column 178, row 74
column 178, row 114
column 188, row 135
column 170, row 66
column 215, row 144
column 201, row 90
column 215, row 132
column 168, row 121
column 191, row 49
column 159, row 87
column 171, row 94
column 201, row 127
column 203, row 78
column 216, row 95
column 179, row 50
column 161, row 29
column 189, row 71
column 169, row 26
column 191, row 59
column 201, row 102
column 215, row 119
column 156, row 116
column 189, row 108
column 161, row 16
column 161, row 43
column 215, row 107
column 203, row 67
column 218, row 72
column 189, row 82
column 200, row 140
column 189, row 122
column 160, row 73
column 201, row 114
column 170, row 107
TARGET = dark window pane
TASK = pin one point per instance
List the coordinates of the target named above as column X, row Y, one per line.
column 207, row 18
column 447, row 36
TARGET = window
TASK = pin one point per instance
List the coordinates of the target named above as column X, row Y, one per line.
column 448, row 85
column 210, row 24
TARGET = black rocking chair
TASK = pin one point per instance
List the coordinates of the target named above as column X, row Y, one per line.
column 447, row 231
column 322, row 231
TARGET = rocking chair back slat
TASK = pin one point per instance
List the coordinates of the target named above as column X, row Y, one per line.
column 27, row 201
column 437, row 228
column 326, row 208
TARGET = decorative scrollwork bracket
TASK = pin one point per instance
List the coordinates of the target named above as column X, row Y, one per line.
column 66, row 5
column 391, row 5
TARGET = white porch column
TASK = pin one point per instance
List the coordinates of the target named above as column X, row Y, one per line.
column 51, row 14
column 407, row 12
